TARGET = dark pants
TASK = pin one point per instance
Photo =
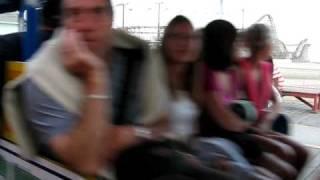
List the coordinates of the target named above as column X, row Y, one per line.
column 209, row 128
column 162, row 161
column 281, row 124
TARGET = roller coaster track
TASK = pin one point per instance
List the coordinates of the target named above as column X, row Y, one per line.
column 272, row 24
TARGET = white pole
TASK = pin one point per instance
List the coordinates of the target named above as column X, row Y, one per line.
column 123, row 5
column 159, row 16
column 221, row 9
column 243, row 11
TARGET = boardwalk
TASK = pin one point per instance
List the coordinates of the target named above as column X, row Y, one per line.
column 305, row 129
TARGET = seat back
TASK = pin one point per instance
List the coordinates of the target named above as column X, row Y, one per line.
column 16, row 130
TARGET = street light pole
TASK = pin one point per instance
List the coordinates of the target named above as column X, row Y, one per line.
column 243, row 18
column 123, row 5
column 221, row 9
column 159, row 15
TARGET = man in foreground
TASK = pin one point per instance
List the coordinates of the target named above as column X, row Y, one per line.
column 82, row 82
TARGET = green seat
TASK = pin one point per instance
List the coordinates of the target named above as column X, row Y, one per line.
column 21, row 174
column 3, row 168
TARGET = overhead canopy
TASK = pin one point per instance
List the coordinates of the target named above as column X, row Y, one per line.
column 9, row 5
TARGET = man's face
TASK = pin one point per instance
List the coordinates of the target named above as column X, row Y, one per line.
column 92, row 19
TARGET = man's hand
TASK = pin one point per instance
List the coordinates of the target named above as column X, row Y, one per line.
column 264, row 125
column 77, row 57
column 255, row 130
column 119, row 138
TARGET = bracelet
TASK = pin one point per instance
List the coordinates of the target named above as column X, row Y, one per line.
column 142, row 132
column 99, row 97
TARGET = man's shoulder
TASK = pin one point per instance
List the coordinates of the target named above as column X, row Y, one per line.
column 124, row 40
column 129, row 46
column 45, row 116
column 35, row 96
column 33, row 92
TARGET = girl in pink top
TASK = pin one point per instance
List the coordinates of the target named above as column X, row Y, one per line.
column 256, row 75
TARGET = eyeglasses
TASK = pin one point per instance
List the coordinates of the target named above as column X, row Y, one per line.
column 179, row 36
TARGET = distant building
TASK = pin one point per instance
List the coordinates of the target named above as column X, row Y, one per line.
column 148, row 33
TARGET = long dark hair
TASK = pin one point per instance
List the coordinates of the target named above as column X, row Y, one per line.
column 179, row 19
column 218, row 40
column 188, row 81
